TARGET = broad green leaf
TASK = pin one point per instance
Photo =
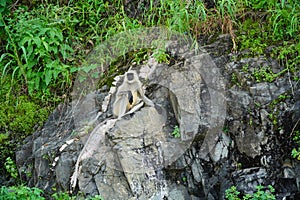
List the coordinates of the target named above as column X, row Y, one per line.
column 82, row 78
column 60, row 36
column 31, row 63
column 24, row 53
column 44, row 30
column 53, row 49
column 29, row 73
column 46, row 45
column 64, row 54
column 52, row 34
column 37, row 41
column 95, row 75
column 48, row 77
column 31, row 86
column 68, row 48
column 74, row 69
column 29, row 51
column 3, row 3
column 55, row 73
column 25, row 40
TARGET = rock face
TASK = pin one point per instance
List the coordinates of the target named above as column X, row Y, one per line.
column 234, row 130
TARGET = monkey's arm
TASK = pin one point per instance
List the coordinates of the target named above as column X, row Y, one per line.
column 147, row 101
column 120, row 105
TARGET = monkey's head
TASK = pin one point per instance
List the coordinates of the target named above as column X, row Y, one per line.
column 131, row 76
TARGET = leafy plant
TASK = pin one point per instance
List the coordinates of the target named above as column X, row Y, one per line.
column 182, row 16
column 176, row 132
column 96, row 197
column 18, row 117
column 42, row 47
column 296, row 151
column 261, row 5
column 285, row 19
column 21, row 118
column 252, row 37
column 289, row 56
column 63, row 196
column 11, row 168
column 36, row 51
column 233, row 194
column 263, row 195
column 265, row 74
column 23, row 192
column 227, row 7
column 161, row 56
column 283, row 16
column 3, row 137
column 20, row 193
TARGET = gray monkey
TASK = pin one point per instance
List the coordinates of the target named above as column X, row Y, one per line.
column 128, row 93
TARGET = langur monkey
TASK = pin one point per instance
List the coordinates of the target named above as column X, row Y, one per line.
column 128, row 93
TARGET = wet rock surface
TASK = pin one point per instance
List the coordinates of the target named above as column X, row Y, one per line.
column 234, row 130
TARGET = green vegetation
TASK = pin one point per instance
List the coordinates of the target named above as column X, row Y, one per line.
column 44, row 44
column 261, row 194
column 42, row 52
column 265, row 74
column 11, row 167
column 278, row 27
column 20, row 192
column 296, row 151
column 19, row 116
column 23, row 192
column 176, row 132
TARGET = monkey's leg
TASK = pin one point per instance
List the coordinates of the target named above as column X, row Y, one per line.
column 121, row 105
column 147, row 101
column 116, row 108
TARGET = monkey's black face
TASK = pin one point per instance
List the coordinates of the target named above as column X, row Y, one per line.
column 130, row 76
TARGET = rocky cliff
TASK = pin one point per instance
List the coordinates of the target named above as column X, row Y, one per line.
column 235, row 129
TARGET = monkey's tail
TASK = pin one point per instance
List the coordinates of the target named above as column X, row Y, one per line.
column 74, row 177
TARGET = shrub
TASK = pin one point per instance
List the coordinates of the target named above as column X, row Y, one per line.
column 233, row 194
column 36, row 51
column 23, row 192
column 20, row 193
column 18, row 117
